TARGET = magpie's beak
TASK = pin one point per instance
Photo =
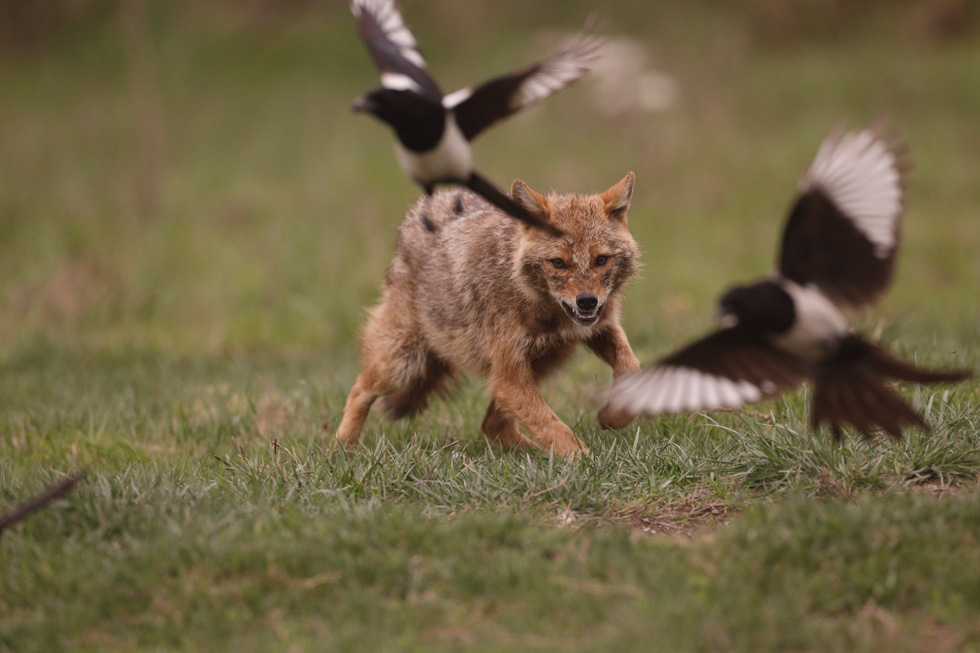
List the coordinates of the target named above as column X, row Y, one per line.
column 364, row 104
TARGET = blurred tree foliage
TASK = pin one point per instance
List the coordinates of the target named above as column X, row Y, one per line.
column 26, row 25
column 781, row 22
column 29, row 25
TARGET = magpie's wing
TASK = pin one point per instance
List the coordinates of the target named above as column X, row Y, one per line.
column 476, row 108
column 725, row 369
column 842, row 234
column 393, row 47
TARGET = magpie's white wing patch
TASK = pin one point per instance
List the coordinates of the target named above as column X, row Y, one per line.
column 669, row 389
column 457, row 97
column 393, row 47
column 551, row 75
column 392, row 26
column 725, row 369
column 862, row 177
column 843, row 231
column 478, row 107
column 400, row 82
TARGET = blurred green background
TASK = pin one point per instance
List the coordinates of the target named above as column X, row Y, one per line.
column 187, row 177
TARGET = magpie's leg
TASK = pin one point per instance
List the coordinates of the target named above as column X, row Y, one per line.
column 484, row 187
column 426, row 220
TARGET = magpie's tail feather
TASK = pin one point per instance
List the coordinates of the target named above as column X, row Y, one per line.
column 850, row 389
column 492, row 194
column 39, row 501
column 857, row 397
column 899, row 369
column 427, row 222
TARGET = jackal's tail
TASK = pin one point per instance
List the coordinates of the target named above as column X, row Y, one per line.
column 850, row 390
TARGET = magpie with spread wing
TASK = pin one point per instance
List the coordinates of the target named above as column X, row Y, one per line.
column 838, row 254
column 434, row 131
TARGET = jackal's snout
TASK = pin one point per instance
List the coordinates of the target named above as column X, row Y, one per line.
column 586, row 310
column 586, row 302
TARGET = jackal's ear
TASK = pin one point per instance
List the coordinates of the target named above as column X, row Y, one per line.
column 617, row 198
column 530, row 199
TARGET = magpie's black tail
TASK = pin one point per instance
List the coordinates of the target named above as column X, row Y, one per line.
column 492, row 194
column 39, row 501
column 857, row 396
column 896, row 368
column 850, row 390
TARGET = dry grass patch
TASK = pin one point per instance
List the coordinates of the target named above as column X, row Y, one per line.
column 694, row 515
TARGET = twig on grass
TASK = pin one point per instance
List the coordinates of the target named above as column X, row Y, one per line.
column 556, row 486
column 40, row 500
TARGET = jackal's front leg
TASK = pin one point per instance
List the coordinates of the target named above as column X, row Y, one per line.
column 515, row 392
column 500, row 428
column 612, row 346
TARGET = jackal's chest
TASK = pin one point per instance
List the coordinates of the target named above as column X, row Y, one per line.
column 564, row 334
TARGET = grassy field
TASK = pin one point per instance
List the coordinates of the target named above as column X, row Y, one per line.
column 192, row 225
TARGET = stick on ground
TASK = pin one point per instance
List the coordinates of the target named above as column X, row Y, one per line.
column 39, row 501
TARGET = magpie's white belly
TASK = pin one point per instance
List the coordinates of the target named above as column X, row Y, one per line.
column 818, row 324
column 450, row 160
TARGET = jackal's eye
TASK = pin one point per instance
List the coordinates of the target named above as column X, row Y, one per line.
column 600, row 261
column 559, row 263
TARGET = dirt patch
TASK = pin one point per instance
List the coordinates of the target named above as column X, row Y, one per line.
column 941, row 488
column 694, row 515
column 940, row 638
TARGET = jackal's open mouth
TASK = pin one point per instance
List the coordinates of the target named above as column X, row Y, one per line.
column 585, row 318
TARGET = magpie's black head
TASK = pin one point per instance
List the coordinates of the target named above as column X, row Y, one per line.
column 417, row 121
column 763, row 306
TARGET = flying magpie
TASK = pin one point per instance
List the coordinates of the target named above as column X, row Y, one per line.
column 838, row 253
column 434, row 131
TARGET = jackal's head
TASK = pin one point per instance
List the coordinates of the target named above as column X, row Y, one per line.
column 584, row 269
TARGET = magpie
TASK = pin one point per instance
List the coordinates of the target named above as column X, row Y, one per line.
column 434, row 130
column 838, row 254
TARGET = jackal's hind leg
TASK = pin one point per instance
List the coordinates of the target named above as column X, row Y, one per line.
column 359, row 401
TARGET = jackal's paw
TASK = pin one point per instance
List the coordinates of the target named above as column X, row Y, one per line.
column 508, row 442
column 346, row 440
column 570, row 450
column 614, row 419
column 516, row 444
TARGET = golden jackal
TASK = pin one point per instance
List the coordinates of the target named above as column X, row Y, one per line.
column 471, row 290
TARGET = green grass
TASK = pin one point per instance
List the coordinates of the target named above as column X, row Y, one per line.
column 192, row 224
